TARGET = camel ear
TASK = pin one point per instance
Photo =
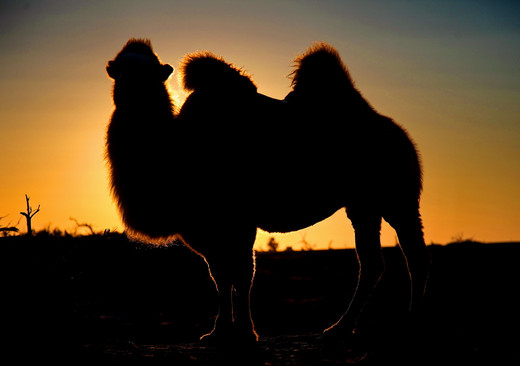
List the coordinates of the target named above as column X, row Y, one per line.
column 112, row 69
column 165, row 72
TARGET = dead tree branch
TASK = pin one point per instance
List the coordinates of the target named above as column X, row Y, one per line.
column 29, row 215
column 6, row 230
column 83, row 224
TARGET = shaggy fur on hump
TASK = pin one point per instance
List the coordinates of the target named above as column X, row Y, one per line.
column 205, row 71
column 321, row 68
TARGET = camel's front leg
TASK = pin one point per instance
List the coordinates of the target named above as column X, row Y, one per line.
column 244, row 272
column 232, row 267
column 222, row 328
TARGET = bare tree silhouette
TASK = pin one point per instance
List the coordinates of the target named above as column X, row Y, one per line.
column 29, row 214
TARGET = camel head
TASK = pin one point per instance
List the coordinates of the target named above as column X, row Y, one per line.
column 137, row 63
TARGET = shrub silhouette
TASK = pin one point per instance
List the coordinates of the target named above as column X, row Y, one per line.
column 7, row 230
column 272, row 245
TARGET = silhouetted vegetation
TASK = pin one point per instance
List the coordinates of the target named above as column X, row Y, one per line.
column 83, row 224
column 272, row 245
column 460, row 239
column 306, row 244
column 29, row 214
column 7, row 230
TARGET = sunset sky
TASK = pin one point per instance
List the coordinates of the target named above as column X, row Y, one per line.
column 449, row 71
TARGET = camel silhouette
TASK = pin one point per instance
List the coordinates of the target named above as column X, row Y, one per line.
column 233, row 160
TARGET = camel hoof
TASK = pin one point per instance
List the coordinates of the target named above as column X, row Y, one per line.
column 215, row 338
column 339, row 332
column 229, row 339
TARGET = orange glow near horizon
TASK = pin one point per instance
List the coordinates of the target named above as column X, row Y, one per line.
column 457, row 97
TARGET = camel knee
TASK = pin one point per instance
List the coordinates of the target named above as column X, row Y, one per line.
column 371, row 271
column 371, row 268
column 411, row 240
column 418, row 260
column 419, row 268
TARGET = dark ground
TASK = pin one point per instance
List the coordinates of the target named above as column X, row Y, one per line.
column 102, row 299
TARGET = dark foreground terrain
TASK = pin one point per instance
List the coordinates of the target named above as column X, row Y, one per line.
column 102, row 299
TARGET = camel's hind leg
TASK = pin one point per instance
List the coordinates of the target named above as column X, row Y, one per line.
column 367, row 227
column 408, row 226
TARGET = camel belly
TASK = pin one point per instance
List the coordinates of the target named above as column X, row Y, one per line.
column 284, row 216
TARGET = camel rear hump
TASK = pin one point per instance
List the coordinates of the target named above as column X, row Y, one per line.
column 320, row 69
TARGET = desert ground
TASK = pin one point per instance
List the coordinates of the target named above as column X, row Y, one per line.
column 102, row 298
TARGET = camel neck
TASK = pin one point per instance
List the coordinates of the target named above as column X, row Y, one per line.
column 140, row 100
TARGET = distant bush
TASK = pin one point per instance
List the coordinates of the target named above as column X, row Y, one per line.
column 272, row 245
column 459, row 239
column 8, row 230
